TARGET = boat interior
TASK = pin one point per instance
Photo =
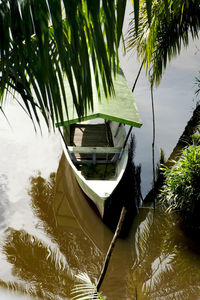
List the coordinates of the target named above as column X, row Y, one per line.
column 90, row 135
column 94, row 147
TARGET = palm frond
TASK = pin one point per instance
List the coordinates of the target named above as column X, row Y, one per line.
column 44, row 42
column 159, row 41
column 85, row 290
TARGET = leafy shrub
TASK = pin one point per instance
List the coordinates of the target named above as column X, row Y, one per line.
column 181, row 189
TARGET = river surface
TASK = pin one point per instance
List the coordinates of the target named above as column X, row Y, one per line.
column 48, row 231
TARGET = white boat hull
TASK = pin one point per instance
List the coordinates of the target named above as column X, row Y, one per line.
column 100, row 191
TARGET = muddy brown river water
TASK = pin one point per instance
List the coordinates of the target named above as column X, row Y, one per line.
column 49, row 232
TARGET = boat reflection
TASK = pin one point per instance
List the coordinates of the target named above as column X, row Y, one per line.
column 155, row 261
column 45, row 267
column 75, row 204
column 77, row 229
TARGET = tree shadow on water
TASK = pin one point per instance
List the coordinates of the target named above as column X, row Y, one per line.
column 164, row 264
column 42, row 268
column 127, row 194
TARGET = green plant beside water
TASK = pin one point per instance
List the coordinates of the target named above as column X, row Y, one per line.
column 181, row 189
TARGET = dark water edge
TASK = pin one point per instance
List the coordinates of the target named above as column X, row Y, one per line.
column 126, row 194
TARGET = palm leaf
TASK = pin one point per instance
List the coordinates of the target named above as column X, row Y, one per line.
column 157, row 43
column 136, row 12
column 43, row 42
column 41, row 55
column 148, row 8
column 85, row 290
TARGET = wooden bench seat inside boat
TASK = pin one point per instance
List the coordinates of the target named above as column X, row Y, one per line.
column 105, row 150
column 91, row 135
column 94, row 155
column 87, row 139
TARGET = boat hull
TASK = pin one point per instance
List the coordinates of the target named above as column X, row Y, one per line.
column 99, row 191
column 96, row 199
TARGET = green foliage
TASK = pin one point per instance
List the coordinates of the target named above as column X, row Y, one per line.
column 181, row 189
column 42, row 41
column 158, row 42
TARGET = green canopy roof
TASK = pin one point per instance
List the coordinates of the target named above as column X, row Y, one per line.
column 120, row 108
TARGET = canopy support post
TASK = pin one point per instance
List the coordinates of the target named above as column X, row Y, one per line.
column 129, row 132
column 63, row 138
column 125, row 142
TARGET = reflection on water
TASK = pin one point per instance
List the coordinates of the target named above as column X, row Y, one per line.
column 166, row 264
column 156, row 257
column 39, row 269
column 155, row 261
column 44, row 269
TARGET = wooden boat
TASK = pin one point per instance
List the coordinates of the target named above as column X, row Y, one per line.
column 96, row 145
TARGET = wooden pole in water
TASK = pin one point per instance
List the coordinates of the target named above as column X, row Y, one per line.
column 110, row 249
